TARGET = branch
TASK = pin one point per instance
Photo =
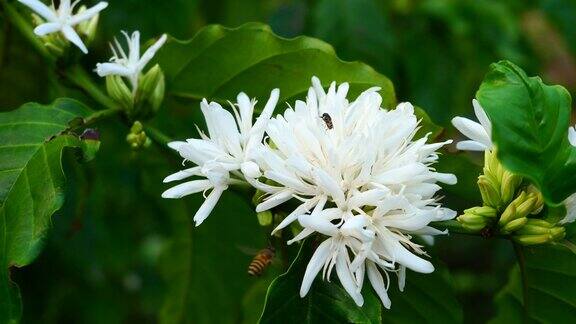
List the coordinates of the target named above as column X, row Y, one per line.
column 80, row 78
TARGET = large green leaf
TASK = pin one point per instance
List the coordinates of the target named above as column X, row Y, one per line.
column 31, row 184
column 326, row 302
column 542, row 287
column 220, row 62
column 530, row 128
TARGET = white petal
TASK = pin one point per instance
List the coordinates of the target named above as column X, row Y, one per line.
column 572, row 135
column 447, row 178
column 411, row 261
column 317, row 260
column 151, row 51
column 482, row 117
column 570, row 204
column 401, row 278
column 302, row 235
column 88, row 14
column 471, row 146
column 73, row 37
column 195, row 171
column 378, row 284
column 250, row 170
column 300, row 210
column 47, row 28
column 187, row 188
column 41, row 9
column 346, row 278
column 472, row 130
column 208, row 205
column 319, row 224
column 106, row 69
column 274, row 200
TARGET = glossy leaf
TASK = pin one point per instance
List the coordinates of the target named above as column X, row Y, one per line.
column 530, row 128
column 326, row 302
column 31, row 184
column 253, row 59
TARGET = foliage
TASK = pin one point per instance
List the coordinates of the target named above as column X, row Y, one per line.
column 99, row 245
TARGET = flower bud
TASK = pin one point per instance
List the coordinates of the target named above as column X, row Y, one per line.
column 519, row 208
column 151, row 88
column 532, row 239
column 489, row 191
column 473, row 222
column 539, row 204
column 119, row 92
column 137, row 137
column 264, row 218
column 508, row 186
column 514, row 225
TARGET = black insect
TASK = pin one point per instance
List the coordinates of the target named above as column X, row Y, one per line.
column 327, row 120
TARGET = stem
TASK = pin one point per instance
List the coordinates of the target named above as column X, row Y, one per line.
column 455, row 227
column 101, row 114
column 26, row 29
column 157, row 136
column 522, row 265
column 78, row 76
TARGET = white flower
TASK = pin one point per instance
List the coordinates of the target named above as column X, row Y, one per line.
column 572, row 135
column 63, row 20
column 225, row 156
column 480, row 135
column 132, row 64
column 365, row 164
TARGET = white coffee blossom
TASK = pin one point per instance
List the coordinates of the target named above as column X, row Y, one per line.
column 362, row 180
column 63, row 19
column 480, row 135
column 224, row 156
column 129, row 65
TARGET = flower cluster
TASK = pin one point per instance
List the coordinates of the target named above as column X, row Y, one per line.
column 362, row 179
column 480, row 139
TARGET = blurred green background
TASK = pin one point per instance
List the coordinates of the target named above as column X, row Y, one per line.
column 125, row 255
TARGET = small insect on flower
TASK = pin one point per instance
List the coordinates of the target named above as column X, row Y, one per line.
column 261, row 261
column 327, row 120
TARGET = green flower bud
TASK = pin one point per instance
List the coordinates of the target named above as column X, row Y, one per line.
column 489, row 191
column 473, row 222
column 532, row 239
column 119, row 92
column 519, row 208
column 509, row 185
column 514, row 225
column 137, row 138
column 151, row 88
column 539, row 204
column 484, row 211
column 264, row 218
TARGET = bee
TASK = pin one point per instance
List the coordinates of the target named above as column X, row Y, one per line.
column 327, row 120
column 261, row 261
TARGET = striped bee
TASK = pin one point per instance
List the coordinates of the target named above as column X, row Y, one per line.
column 327, row 120
column 261, row 261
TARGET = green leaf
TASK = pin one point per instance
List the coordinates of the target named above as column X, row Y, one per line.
column 220, row 62
column 326, row 302
column 542, row 287
column 31, row 184
column 206, row 267
column 427, row 298
column 530, row 128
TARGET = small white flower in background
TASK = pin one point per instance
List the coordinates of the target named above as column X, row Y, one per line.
column 480, row 134
column 223, row 157
column 572, row 135
column 132, row 64
column 364, row 162
column 62, row 19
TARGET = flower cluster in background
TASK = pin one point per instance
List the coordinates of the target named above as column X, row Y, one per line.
column 360, row 176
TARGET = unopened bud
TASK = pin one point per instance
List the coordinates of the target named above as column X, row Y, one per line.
column 518, row 208
column 264, row 218
column 539, row 204
column 514, row 225
column 509, row 184
column 489, row 191
column 151, row 88
column 532, row 239
column 538, row 231
column 473, row 222
column 137, row 138
column 119, row 92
